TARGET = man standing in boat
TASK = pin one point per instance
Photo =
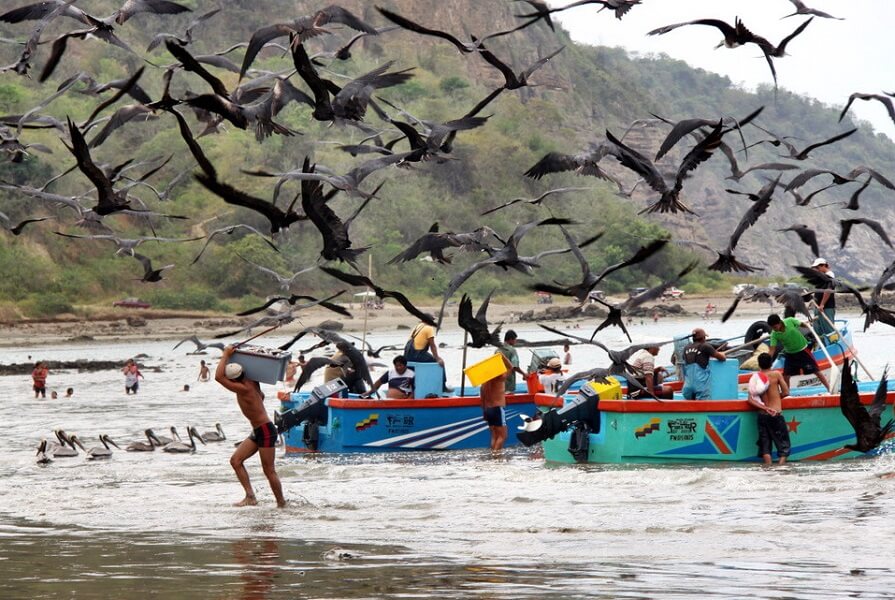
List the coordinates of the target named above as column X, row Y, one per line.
column 508, row 349
column 264, row 434
column 494, row 402
column 797, row 357
column 696, row 366
column 766, row 391
column 825, row 300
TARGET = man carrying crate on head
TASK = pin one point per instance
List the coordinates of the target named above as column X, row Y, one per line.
column 264, row 434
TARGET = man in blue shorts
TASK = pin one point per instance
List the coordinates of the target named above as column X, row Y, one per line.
column 797, row 357
column 494, row 402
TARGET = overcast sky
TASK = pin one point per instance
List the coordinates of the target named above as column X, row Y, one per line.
column 828, row 61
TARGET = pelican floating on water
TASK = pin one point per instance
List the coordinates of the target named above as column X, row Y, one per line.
column 215, row 436
column 99, row 452
column 143, row 446
column 42, row 457
column 182, row 447
column 162, row 440
column 66, row 448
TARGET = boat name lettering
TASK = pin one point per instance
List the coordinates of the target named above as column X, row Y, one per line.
column 398, row 423
column 681, row 430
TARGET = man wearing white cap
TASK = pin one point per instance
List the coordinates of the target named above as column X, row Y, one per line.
column 264, row 434
column 825, row 300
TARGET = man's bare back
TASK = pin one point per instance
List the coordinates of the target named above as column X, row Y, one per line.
column 777, row 390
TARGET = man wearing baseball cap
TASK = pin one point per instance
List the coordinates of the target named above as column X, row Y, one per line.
column 552, row 376
column 825, row 300
column 264, row 434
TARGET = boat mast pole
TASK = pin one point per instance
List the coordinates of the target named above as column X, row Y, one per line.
column 833, row 367
column 463, row 368
column 854, row 352
column 366, row 298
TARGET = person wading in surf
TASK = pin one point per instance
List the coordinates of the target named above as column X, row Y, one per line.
column 264, row 434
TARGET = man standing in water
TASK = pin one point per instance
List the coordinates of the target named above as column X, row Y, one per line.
column 264, row 434
column 494, row 402
column 766, row 391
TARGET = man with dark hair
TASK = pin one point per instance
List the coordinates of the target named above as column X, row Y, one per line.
column 649, row 375
column 825, row 300
column 399, row 380
column 509, row 352
column 696, row 366
column 766, row 391
column 264, row 433
column 797, row 357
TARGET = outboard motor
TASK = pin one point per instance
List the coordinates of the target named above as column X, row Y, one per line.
column 311, row 435
column 313, row 409
column 579, row 443
column 583, row 409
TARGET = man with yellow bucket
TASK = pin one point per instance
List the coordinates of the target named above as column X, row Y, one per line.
column 491, row 375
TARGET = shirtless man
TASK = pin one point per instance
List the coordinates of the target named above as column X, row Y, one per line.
column 494, row 401
column 264, row 434
column 766, row 391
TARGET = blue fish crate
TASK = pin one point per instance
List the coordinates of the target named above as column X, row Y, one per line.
column 265, row 365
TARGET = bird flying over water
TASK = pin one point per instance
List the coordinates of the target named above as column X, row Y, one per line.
column 477, row 325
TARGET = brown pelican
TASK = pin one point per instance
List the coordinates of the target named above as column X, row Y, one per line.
column 143, row 446
column 215, row 436
column 98, row 452
column 181, row 447
column 42, row 457
column 66, row 447
column 162, row 440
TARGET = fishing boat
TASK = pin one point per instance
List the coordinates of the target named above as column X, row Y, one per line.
column 722, row 429
column 333, row 424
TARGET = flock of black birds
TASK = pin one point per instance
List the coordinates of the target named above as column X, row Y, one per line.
column 260, row 96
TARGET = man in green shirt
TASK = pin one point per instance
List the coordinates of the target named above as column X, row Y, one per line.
column 797, row 357
column 509, row 352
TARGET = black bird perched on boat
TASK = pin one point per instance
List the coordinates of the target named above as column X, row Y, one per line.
column 617, row 311
column 869, row 433
column 876, row 226
column 807, row 235
column 358, row 362
column 435, row 242
column 802, row 9
column 589, row 279
column 669, row 200
column 886, row 100
column 477, row 325
column 514, row 80
column 291, row 300
column 361, row 281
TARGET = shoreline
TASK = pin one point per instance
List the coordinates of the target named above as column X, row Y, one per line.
column 138, row 325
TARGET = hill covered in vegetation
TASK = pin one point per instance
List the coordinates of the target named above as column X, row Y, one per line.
column 580, row 94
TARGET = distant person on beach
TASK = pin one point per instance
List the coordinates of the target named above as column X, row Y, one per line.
column 696, row 366
column 264, row 433
column 399, row 380
column 508, row 349
column 53, row 395
column 39, row 379
column 132, row 377
column 494, row 402
column 421, row 347
column 766, row 391
column 294, row 367
column 797, row 357
column 69, row 392
column 204, row 372
column 567, row 355
column 186, row 387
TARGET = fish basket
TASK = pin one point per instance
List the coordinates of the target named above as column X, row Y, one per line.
column 486, row 370
column 264, row 365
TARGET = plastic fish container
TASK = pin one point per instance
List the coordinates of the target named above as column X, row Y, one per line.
column 486, row 370
column 262, row 364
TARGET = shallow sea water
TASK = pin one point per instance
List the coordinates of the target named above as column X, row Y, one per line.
column 455, row 524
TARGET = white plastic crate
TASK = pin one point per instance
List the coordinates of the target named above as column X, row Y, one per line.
column 262, row 364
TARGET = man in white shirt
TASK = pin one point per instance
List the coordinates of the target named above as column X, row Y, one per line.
column 644, row 363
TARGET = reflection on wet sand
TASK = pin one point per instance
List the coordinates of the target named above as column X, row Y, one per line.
column 259, row 559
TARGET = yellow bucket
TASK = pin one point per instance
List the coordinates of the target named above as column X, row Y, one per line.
column 486, row 370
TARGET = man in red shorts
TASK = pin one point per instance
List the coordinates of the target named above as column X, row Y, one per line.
column 264, row 434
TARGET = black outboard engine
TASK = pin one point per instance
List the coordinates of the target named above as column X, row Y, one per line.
column 583, row 409
column 311, row 410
